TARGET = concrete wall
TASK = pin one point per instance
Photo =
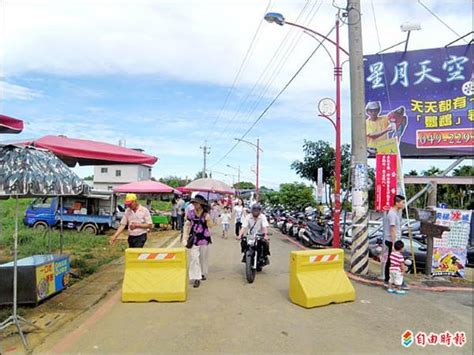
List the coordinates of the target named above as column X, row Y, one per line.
column 109, row 176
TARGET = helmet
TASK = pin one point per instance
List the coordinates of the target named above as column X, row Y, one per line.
column 373, row 105
column 256, row 207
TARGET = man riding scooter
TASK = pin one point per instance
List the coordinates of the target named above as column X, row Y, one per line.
column 255, row 223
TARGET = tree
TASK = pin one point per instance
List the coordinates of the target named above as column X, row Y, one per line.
column 89, row 178
column 295, row 196
column 174, row 181
column 244, row 185
column 271, row 198
column 199, row 175
column 321, row 154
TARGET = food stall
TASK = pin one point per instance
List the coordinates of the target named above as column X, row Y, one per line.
column 151, row 189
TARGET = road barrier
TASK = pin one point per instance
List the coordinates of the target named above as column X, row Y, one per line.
column 155, row 275
column 317, row 278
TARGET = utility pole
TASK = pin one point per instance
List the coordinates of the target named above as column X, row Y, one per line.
column 360, row 202
column 206, row 151
column 257, row 185
column 238, row 181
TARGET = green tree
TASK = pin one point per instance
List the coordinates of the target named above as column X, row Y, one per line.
column 295, row 195
column 89, row 178
column 244, row 185
column 321, row 154
column 200, row 175
column 174, row 181
column 271, row 198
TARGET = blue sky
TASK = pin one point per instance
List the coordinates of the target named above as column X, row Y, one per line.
column 156, row 73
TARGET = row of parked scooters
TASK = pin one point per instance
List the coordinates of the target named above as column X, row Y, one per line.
column 311, row 228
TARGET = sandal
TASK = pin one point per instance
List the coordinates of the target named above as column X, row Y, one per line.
column 197, row 283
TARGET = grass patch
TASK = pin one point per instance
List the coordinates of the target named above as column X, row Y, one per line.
column 87, row 252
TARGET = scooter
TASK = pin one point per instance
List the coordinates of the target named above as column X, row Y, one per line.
column 254, row 259
column 314, row 235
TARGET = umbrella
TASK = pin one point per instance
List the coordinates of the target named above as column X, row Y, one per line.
column 10, row 124
column 146, row 187
column 86, row 152
column 210, row 185
column 28, row 172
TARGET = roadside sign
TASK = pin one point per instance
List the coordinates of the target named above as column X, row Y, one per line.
column 385, row 181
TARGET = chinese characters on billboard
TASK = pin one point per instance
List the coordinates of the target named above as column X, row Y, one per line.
column 385, row 181
column 420, row 103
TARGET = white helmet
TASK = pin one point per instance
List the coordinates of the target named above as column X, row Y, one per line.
column 373, row 105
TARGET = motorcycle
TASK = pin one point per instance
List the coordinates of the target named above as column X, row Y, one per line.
column 314, row 235
column 254, row 259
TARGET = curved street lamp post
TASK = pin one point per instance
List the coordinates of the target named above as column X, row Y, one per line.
column 279, row 19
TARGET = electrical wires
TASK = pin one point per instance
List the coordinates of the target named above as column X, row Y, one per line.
column 439, row 19
column 273, row 101
column 245, row 60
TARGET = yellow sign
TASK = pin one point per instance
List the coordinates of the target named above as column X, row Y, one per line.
column 45, row 281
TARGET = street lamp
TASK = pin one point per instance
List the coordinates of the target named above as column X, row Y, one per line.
column 238, row 176
column 257, row 173
column 279, row 19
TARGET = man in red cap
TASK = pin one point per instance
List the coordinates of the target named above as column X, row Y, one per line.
column 139, row 221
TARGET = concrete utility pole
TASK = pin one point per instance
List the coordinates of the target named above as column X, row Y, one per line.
column 360, row 201
column 206, row 151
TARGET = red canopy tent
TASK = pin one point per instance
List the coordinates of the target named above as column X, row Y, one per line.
column 86, row 152
column 146, row 187
column 10, row 124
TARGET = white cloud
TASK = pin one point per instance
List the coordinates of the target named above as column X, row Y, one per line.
column 10, row 91
column 200, row 41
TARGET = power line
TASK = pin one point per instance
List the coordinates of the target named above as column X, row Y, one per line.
column 375, row 23
column 439, row 19
column 294, row 42
column 242, row 64
column 265, row 72
column 274, row 99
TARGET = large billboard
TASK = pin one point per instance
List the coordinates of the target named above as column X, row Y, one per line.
column 421, row 102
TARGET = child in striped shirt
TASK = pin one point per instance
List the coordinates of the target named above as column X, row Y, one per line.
column 397, row 268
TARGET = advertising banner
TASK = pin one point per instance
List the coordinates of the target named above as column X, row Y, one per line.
column 385, row 181
column 61, row 273
column 45, row 280
column 421, row 102
column 52, row 277
column 450, row 252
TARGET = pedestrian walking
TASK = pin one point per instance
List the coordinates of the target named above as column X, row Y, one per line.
column 392, row 229
column 225, row 220
column 198, row 224
column 138, row 220
column 180, row 203
column 174, row 214
column 397, row 268
column 239, row 214
column 215, row 209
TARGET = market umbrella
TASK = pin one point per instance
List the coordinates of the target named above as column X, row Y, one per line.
column 210, row 185
column 10, row 125
column 146, row 187
column 86, row 152
column 29, row 172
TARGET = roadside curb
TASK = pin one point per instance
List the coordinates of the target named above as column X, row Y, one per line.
column 416, row 287
column 380, row 283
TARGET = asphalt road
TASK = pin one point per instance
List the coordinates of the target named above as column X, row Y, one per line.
column 226, row 314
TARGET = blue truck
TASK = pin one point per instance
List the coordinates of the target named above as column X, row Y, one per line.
column 94, row 213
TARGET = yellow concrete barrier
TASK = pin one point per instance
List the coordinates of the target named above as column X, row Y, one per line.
column 317, row 278
column 155, row 275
